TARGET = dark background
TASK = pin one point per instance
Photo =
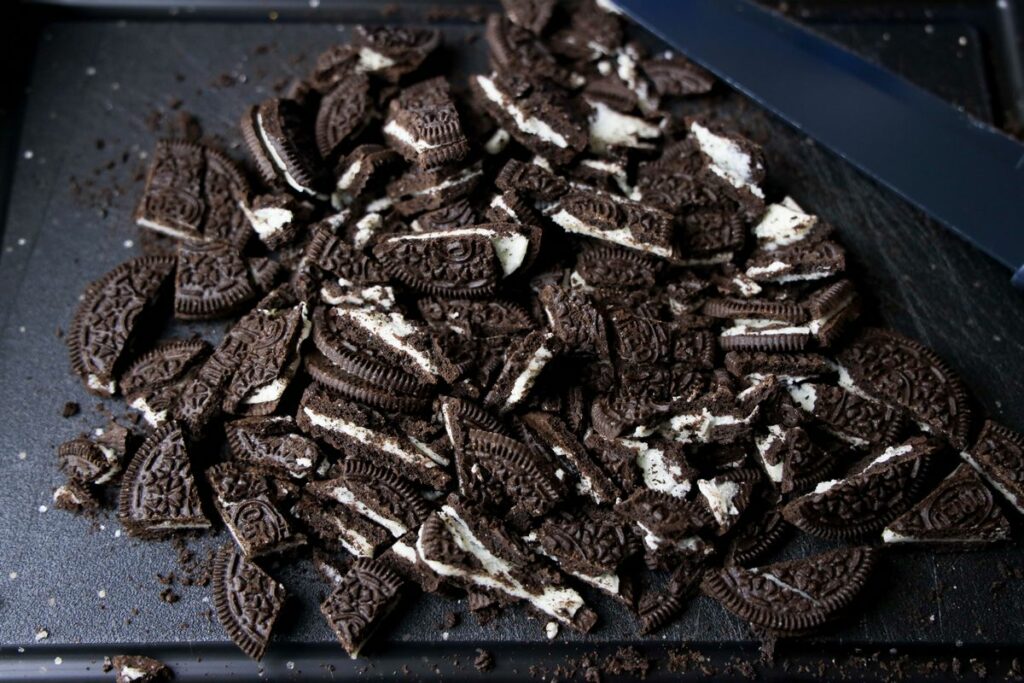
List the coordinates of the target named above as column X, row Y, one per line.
column 100, row 88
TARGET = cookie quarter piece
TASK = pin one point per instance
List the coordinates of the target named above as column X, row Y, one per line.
column 998, row 455
column 961, row 511
column 792, row 597
column 359, row 603
column 247, row 601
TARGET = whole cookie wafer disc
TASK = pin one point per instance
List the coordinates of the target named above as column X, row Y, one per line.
column 211, row 281
column 107, row 318
column 960, row 511
column 158, row 491
column 793, row 596
column 865, row 502
column 247, row 601
column 902, row 372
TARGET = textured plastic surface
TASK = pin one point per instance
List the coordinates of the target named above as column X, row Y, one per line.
column 102, row 80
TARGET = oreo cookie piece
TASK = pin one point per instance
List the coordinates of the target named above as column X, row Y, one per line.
column 864, row 502
column 342, row 115
column 760, row 532
column 791, row 459
column 333, row 376
column 613, row 132
column 75, row 497
column 390, row 52
column 530, row 115
column 211, row 281
column 619, row 458
column 605, row 266
column 531, row 180
column 153, row 381
column 338, row 528
column 514, row 50
column 110, row 313
column 194, row 193
column 201, row 398
column 737, row 162
column 396, row 337
column 618, row 221
column 575, row 320
column 465, row 262
column 419, row 190
column 858, row 421
column 330, row 252
column 786, row 224
column 904, row 373
column 503, row 473
column 273, row 445
column 998, row 454
column 792, row 597
column 277, row 218
column 158, row 492
column 360, row 601
column 591, row 545
column 473, row 553
column 356, row 429
column 245, row 503
column 277, row 134
column 675, row 76
column 800, row 262
column 362, row 172
column 593, row 32
column 727, row 496
column 669, row 527
column 639, row 339
column 247, row 601
column 789, row 368
column 663, row 466
column 713, row 418
column 533, row 15
column 139, row 669
column 377, row 494
column 592, row 482
column 475, row 318
column 423, row 125
column 525, row 360
column 272, row 339
column 960, row 512
column 85, row 462
column 458, row 214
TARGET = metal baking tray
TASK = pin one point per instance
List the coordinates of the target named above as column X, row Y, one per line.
column 99, row 80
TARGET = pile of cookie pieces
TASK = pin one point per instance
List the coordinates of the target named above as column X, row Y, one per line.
column 533, row 339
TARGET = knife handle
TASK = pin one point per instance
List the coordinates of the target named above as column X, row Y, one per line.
column 1018, row 278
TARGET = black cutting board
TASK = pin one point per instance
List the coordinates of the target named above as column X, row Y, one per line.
column 94, row 87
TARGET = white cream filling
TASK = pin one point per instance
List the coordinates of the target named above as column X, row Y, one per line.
column 94, row 383
column 131, row 673
column 551, row 630
column 628, row 70
column 371, row 60
column 889, row 454
column 728, row 160
column 785, row 586
column 658, row 474
column 824, row 486
column 783, row 225
column 345, row 496
column 405, row 551
column 610, row 128
column 404, row 135
column 365, row 228
column 419, row 456
column 350, row 175
column 764, row 444
column 268, row 221
column 498, row 141
column 392, row 329
column 623, row 236
column 804, row 395
column 510, row 247
column 153, row 417
column 525, row 380
column 530, row 125
column 560, row 603
column 721, row 497
column 498, row 202
column 165, row 229
column 691, row 427
column 616, row 171
column 275, row 389
column 378, row 296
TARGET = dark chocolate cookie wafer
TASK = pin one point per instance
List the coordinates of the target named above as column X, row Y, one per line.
column 329, row 251
column 85, row 462
column 457, row 214
column 525, row 360
column 515, row 50
column 533, row 15
column 960, row 512
column 361, row 599
column 796, row 263
column 626, row 223
column 246, row 505
column 150, row 384
column 211, row 281
column 858, row 421
column 273, row 445
column 338, row 528
column 423, row 125
column 794, row 596
column 391, row 52
column 593, row 481
column 675, row 76
column 575, row 321
column 158, row 491
column 361, row 173
column 331, row 375
column 591, row 545
column 490, row 318
column 451, row 263
column 247, row 601
column 998, row 454
column 863, row 503
column 108, row 317
column 904, row 373
column 343, row 113
column 531, row 180
column 419, row 190
column 606, row 266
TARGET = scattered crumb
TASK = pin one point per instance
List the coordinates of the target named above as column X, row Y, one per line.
column 71, row 409
column 484, row 661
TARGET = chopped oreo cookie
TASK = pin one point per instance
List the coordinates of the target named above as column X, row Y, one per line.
column 361, row 599
column 247, row 601
column 619, row 221
column 423, row 125
column 998, row 454
column 525, row 360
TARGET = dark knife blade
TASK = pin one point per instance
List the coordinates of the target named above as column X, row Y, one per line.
column 963, row 173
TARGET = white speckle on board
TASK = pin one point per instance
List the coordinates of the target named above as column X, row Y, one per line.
column 102, row 593
column 52, row 602
column 42, row 508
column 128, row 244
column 21, row 240
column 289, row 665
column 42, row 634
column 29, row 154
column 117, row 533
column 22, row 455
column 90, row 71
column 12, row 576
column 929, row 29
column 21, row 329
column 58, row 661
column 962, row 40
